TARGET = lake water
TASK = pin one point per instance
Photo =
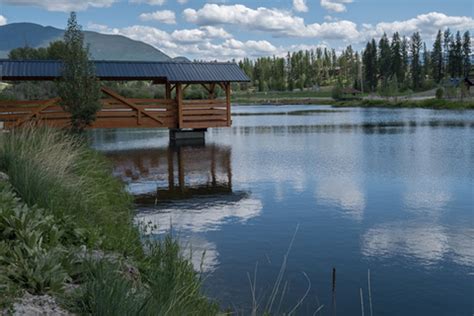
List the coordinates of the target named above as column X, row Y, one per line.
column 358, row 189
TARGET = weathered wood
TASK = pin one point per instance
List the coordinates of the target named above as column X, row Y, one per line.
column 227, row 101
column 168, row 91
column 208, row 124
column 192, row 102
column 179, row 102
column 206, row 118
column 36, row 112
column 118, row 111
column 205, row 112
column 130, row 104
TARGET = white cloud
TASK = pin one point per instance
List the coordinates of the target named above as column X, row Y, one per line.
column 215, row 32
column 195, row 43
column 427, row 24
column 149, row 2
column 164, row 16
column 3, row 20
column 277, row 22
column 335, row 5
column 300, row 5
column 182, row 1
column 62, row 5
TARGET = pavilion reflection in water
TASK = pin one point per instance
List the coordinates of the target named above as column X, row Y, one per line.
column 174, row 172
column 189, row 187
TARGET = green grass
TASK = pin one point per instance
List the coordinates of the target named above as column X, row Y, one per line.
column 164, row 284
column 60, row 204
column 59, row 173
column 429, row 104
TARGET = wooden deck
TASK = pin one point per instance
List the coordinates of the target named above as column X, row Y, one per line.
column 120, row 112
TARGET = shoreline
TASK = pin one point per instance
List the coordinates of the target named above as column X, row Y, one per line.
column 364, row 103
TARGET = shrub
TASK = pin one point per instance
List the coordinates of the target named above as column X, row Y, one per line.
column 337, row 93
column 60, row 174
column 439, row 93
column 30, row 253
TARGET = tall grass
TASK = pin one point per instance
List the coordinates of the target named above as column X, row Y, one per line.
column 59, row 173
column 164, row 284
column 61, row 197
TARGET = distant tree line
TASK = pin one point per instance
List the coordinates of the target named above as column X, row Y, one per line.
column 55, row 51
column 389, row 65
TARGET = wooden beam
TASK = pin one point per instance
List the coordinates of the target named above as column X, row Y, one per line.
column 130, row 104
column 170, row 169
column 167, row 91
column 37, row 112
column 179, row 102
column 205, row 87
column 186, row 86
column 212, row 93
column 227, row 103
column 181, row 178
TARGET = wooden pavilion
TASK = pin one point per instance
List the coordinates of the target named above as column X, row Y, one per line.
column 120, row 112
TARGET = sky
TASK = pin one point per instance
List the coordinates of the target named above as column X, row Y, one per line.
column 225, row 29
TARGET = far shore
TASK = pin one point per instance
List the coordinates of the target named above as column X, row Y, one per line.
column 428, row 103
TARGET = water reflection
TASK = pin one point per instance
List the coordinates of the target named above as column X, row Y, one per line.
column 391, row 127
column 380, row 188
column 170, row 173
column 188, row 188
column 426, row 242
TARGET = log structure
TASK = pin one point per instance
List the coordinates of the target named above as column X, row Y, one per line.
column 120, row 112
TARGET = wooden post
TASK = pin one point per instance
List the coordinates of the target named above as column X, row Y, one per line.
column 227, row 102
column 170, row 169
column 181, row 179
column 212, row 93
column 179, row 103
column 213, row 165
column 168, row 91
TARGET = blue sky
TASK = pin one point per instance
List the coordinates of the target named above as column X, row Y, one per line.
column 225, row 29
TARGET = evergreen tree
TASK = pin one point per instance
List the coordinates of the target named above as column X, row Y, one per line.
column 426, row 63
column 437, row 64
column 396, row 56
column 416, row 71
column 405, row 63
column 466, row 53
column 384, row 59
column 78, row 87
column 448, row 39
column 455, row 63
column 369, row 61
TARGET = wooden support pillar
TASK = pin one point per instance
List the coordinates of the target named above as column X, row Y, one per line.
column 213, row 166
column 212, row 91
column 168, row 91
column 170, row 169
column 227, row 103
column 229, row 170
column 179, row 103
column 181, row 180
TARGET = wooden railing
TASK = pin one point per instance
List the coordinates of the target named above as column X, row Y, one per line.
column 204, row 113
column 116, row 111
column 121, row 112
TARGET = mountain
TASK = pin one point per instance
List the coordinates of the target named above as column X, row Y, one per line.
column 102, row 46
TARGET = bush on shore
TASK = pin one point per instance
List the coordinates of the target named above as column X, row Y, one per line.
column 65, row 222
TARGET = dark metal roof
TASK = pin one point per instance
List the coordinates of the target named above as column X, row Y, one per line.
column 186, row 72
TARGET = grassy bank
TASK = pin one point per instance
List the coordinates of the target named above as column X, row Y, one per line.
column 405, row 103
column 66, row 230
column 428, row 104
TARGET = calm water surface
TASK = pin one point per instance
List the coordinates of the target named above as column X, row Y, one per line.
column 385, row 190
